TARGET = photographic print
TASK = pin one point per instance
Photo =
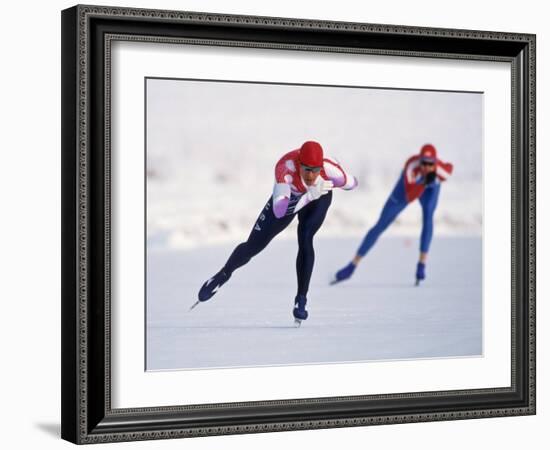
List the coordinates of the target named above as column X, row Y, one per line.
column 291, row 224
column 255, row 209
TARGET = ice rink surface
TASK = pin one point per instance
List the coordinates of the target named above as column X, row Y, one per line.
column 377, row 315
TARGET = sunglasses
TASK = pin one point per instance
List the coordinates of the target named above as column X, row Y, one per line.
column 310, row 169
column 427, row 163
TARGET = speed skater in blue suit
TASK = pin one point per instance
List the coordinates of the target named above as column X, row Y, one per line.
column 420, row 179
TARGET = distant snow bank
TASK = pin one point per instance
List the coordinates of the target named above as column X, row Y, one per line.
column 212, row 148
column 224, row 212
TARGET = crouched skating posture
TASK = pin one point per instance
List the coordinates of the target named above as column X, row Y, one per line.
column 420, row 179
column 304, row 179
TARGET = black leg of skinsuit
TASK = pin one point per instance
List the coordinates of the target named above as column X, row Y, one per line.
column 267, row 226
column 311, row 217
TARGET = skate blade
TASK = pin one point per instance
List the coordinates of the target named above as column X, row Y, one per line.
column 194, row 305
column 297, row 323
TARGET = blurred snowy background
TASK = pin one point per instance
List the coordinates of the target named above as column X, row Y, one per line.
column 212, row 147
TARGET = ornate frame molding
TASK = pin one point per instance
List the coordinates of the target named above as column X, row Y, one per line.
column 77, row 426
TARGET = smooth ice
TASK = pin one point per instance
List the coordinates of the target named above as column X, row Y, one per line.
column 377, row 315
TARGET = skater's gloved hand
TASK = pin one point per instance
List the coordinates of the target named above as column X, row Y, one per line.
column 322, row 187
column 429, row 178
column 314, row 192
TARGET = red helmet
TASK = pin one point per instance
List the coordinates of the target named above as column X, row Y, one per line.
column 311, row 154
column 428, row 153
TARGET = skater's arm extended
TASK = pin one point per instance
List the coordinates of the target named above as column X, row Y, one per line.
column 281, row 196
column 443, row 170
column 321, row 187
column 338, row 175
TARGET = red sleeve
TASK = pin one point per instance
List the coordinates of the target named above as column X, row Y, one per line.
column 280, row 171
column 410, row 170
column 443, row 170
column 286, row 165
column 413, row 190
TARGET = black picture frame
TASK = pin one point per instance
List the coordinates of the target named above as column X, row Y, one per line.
column 87, row 415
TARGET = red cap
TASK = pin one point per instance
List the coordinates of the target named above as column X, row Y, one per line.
column 428, row 153
column 311, row 154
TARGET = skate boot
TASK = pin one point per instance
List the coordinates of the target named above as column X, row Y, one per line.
column 344, row 274
column 211, row 286
column 420, row 272
column 299, row 312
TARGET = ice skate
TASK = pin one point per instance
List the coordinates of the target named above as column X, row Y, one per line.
column 211, row 286
column 420, row 273
column 299, row 312
column 344, row 274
